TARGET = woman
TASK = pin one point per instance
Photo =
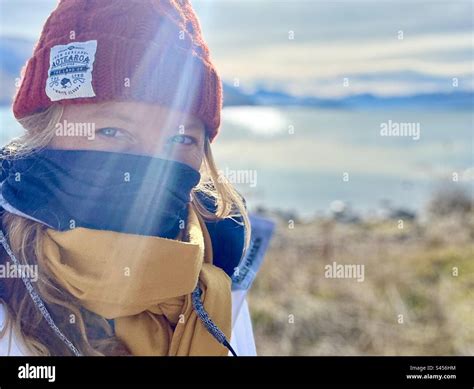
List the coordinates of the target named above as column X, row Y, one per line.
column 112, row 195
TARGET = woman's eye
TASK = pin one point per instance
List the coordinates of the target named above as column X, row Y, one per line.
column 182, row 139
column 111, row 132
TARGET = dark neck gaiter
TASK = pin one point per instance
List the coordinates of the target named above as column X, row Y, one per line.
column 101, row 190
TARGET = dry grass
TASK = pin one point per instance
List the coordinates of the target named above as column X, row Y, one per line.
column 408, row 271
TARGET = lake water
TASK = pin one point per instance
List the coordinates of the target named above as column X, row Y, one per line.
column 303, row 159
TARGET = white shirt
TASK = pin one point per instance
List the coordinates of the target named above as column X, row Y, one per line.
column 242, row 339
column 9, row 344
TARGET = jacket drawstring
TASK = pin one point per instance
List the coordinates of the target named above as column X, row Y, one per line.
column 206, row 320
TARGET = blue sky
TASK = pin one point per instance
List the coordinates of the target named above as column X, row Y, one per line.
column 333, row 40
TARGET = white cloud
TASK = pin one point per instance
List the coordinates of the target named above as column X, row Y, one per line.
column 340, row 59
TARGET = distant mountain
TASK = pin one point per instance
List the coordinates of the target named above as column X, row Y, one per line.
column 454, row 100
column 233, row 96
column 14, row 53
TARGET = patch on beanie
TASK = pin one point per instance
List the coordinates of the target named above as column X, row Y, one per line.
column 70, row 71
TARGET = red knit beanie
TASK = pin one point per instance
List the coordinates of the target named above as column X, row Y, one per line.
column 141, row 50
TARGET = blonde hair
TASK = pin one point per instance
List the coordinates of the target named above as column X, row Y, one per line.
column 91, row 334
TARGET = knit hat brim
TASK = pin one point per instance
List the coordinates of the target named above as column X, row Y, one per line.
column 126, row 69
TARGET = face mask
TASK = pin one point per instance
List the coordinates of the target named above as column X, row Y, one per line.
column 102, row 190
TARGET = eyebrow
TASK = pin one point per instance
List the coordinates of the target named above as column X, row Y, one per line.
column 106, row 112
column 119, row 116
column 191, row 126
column 188, row 126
